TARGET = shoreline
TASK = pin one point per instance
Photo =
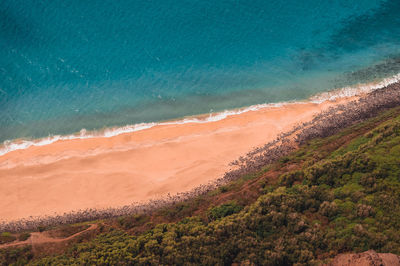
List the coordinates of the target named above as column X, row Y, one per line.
column 315, row 121
column 348, row 91
column 136, row 167
column 325, row 123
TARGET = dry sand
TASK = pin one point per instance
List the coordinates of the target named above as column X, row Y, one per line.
column 134, row 167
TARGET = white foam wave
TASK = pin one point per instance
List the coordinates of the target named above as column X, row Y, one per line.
column 354, row 90
column 9, row 146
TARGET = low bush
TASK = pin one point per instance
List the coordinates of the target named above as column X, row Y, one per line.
column 6, row 237
column 224, row 210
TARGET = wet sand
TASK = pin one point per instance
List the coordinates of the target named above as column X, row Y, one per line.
column 78, row 174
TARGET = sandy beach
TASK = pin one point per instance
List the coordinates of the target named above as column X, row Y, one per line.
column 79, row 174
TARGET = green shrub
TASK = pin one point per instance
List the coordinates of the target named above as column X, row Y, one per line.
column 16, row 256
column 6, row 234
column 24, row 236
column 224, row 210
column 6, row 237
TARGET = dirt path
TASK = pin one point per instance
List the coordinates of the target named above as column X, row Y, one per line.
column 366, row 258
column 42, row 237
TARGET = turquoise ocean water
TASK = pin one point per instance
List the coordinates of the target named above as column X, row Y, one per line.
column 69, row 65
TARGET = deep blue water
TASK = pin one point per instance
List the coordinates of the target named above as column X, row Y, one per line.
column 68, row 65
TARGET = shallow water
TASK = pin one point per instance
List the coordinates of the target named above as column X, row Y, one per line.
column 68, row 65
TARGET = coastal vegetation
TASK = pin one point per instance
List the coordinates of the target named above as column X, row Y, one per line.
column 332, row 194
column 6, row 237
